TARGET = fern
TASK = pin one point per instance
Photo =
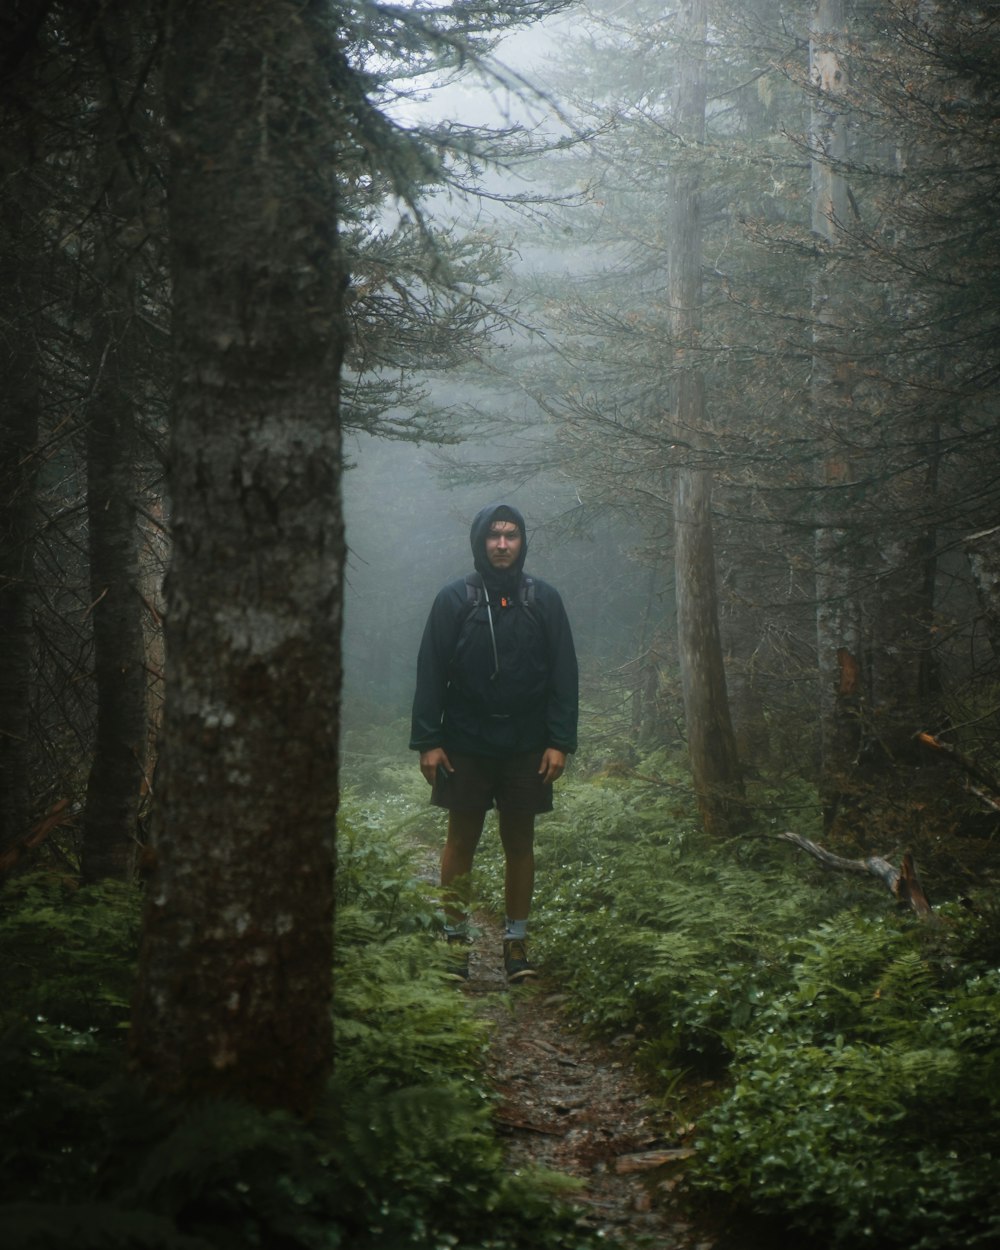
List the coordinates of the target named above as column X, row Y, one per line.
column 69, row 952
column 401, row 1154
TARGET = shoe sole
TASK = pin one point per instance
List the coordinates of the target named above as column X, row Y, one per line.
column 525, row 974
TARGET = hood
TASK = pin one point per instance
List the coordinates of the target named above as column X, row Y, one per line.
column 477, row 538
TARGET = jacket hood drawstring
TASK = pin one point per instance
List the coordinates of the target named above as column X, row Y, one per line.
column 493, row 638
column 507, row 580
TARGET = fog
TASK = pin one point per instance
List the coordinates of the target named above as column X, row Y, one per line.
column 408, row 507
column 408, row 534
column 834, row 395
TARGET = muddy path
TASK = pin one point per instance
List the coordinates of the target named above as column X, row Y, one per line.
column 574, row 1106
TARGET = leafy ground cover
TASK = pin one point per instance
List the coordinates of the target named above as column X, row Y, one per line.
column 829, row 1062
column 401, row 1154
column 836, row 1057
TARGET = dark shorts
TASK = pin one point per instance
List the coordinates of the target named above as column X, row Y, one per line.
column 479, row 782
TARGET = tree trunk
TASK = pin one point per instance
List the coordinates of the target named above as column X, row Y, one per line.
column 905, row 685
column 983, row 551
column 114, row 783
column 113, row 787
column 838, row 558
column 711, row 742
column 19, row 412
column 235, row 979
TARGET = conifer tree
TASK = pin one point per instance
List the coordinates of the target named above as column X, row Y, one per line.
column 235, row 980
column 266, row 113
column 711, row 744
column 845, row 371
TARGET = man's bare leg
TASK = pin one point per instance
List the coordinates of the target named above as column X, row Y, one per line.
column 517, row 834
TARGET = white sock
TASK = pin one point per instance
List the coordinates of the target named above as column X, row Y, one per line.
column 517, row 929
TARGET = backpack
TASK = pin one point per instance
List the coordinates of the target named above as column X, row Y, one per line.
column 474, row 596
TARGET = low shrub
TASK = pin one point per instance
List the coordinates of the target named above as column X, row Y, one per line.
column 854, row 1050
column 401, row 1153
column 864, row 1101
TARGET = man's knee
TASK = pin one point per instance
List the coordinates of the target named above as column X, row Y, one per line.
column 517, row 834
column 465, row 828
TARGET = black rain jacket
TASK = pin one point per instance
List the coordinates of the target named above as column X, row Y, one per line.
column 531, row 701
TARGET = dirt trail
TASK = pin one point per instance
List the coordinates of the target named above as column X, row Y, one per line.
column 574, row 1106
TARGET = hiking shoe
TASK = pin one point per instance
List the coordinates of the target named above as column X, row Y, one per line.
column 516, row 962
column 457, row 959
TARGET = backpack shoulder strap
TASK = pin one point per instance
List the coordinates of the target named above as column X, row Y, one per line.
column 473, row 598
column 527, row 590
column 473, row 589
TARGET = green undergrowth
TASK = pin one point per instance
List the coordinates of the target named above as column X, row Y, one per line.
column 400, row 1154
column 840, row 1056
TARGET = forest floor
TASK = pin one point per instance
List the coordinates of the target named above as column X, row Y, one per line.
column 567, row 1103
column 572, row 1105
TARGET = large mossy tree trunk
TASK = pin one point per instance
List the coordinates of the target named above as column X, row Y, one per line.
column 235, row 979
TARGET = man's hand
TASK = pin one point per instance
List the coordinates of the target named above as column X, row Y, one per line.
column 553, row 765
column 431, row 760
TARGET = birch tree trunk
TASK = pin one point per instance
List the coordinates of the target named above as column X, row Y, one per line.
column 235, row 979
column 711, row 742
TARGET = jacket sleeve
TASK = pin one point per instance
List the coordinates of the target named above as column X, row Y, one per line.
column 433, row 661
column 562, row 703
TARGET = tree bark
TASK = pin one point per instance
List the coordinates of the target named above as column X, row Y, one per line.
column 25, row 262
column 19, row 415
column 711, row 741
column 113, row 786
column 235, row 981
column 838, row 623
column 983, row 552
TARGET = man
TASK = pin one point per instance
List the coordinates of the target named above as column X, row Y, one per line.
column 494, row 717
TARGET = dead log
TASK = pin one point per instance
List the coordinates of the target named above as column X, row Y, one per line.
column 903, row 882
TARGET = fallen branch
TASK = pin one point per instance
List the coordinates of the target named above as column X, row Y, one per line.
column 901, row 882
column 58, row 814
column 988, row 789
column 647, row 1160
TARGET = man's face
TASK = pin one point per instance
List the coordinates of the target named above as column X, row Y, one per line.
column 503, row 544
